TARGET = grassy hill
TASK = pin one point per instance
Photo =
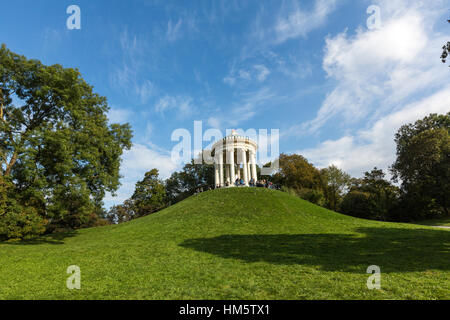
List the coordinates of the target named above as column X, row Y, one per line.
column 233, row 244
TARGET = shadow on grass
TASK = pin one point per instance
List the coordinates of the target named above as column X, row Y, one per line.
column 393, row 249
column 56, row 238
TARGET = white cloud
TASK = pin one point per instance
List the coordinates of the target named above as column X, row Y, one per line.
column 141, row 159
column 263, row 72
column 173, row 30
column 258, row 72
column 384, row 78
column 229, row 80
column 249, row 105
column 296, row 22
column 145, row 91
column 375, row 70
column 136, row 162
column 214, row 122
column 183, row 105
column 375, row 146
column 116, row 115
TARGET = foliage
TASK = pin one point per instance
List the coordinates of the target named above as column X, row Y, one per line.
column 123, row 212
column 21, row 223
column 312, row 195
column 183, row 184
column 17, row 221
column 359, row 204
column 335, row 182
column 446, row 50
column 55, row 141
column 149, row 195
column 380, row 195
column 296, row 172
column 423, row 165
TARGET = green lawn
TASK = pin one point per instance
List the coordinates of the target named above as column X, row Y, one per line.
column 234, row 244
column 443, row 222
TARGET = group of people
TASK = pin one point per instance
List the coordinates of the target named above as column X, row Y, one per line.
column 239, row 182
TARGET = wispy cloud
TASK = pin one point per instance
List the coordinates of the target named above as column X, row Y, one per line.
column 181, row 104
column 117, row 115
column 257, row 72
column 292, row 21
column 173, row 30
column 296, row 22
column 263, row 72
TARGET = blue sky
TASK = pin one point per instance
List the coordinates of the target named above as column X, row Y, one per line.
column 335, row 89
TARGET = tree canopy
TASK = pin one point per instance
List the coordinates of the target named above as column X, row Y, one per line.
column 56, row 145
column 423, row 162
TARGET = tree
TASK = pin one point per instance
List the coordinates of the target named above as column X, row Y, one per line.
column 56, row 145
column 184, row 183
column 446, row 50
column 381, row 195
column 296, row 172
column 149, row 195
column 423, row 164
column 359, row 204
column 335, row 182
column 302, row 177
column 123, row 212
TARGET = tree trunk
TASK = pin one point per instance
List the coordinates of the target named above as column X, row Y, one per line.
column 11, row 164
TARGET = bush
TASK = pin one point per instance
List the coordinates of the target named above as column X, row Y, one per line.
column 23, row 224
column 16, row 221
column 359, row 204
column 311, row 195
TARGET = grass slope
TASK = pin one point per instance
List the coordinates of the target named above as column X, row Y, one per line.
column 233, row 244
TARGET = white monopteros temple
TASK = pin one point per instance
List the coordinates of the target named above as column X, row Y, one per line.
column 234, row 158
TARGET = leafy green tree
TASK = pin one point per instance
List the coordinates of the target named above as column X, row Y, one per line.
column 359, row 204
column 335, row 183
column 17, row 221
column 423, row 164
column 184, row 183
column 381, row 195
column 446, row 50
column 123, row 212
column 149, row 195
column 299, row 176
column 56, row 145
column 296, row 172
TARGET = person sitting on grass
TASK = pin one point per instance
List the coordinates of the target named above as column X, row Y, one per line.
column 252, row 182
column 241, row 182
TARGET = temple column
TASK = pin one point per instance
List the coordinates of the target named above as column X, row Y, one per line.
column 232, row 172
column 221, row 168
column 245, row 166
column 216, row 175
